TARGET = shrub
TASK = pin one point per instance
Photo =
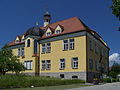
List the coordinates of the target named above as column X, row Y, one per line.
column 107, row 80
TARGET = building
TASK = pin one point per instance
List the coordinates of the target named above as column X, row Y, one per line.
column 65, row 49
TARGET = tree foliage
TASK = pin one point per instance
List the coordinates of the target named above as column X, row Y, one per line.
column 9, row 62
column 116, row 8
column 115, row 70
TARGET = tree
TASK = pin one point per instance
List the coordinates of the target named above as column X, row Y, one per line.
column 115, row 70
column 9, row 62
column 116, row 8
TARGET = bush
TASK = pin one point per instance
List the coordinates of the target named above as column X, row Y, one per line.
column 19, row 81
column 107, row 80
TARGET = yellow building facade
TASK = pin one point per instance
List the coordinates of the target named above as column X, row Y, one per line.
column 65, row 49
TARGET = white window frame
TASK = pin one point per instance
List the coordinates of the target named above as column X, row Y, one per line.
column 43, row 66
column 48, row 47
column 48, row 64
column 75, row 62
column 19, row 52
column 57, row 31
column 65, row 44
column 28, row 65
column 43, row 48
column 22, row 52
column 62, row 63
column 48, row 33
column 71, row 44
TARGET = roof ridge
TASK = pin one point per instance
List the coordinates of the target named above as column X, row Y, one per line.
column 61, row 21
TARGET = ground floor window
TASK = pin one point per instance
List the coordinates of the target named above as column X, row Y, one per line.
column 74, row 77
column 46, row 64
column 62, row 63
column 28, row 65
column 62, row 76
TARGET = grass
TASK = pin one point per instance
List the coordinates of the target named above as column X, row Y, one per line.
column 60, row 87
column 22, row 81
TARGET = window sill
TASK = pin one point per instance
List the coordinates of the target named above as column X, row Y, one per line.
column 75, row 68
column 65, row 50
column 48, row 69
column 62, row 69
column 28, row 69
column 23, row 56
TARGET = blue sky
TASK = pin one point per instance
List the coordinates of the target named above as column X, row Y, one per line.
column 16, row 16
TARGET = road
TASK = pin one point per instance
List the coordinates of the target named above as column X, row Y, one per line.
column 109, row 86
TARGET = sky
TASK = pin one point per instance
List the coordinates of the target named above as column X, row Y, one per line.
column 16, row 16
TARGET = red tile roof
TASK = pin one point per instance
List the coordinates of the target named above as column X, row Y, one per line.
column 70, row 25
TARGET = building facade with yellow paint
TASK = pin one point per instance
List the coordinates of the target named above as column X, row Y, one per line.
column 64, row 49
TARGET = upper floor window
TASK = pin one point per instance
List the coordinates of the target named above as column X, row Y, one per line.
column 57, row 31
column 71, row 43
column 28, row 43
column 90, row 64
column 48, row 47
column 48, row 33
column 96, row 48
column 17, row 41
column 68, row 44
column 65, row 44
column 43, row 48
column 28, row 65
column 19, row 54
column 62, row 63
column 22, row 52
column 75, row 63
column 91, row 45
column 35, row 46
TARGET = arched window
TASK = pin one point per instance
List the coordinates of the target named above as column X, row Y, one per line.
column 28, row 43
column 35, row 46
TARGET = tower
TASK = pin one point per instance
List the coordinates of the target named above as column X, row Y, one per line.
column 47, row 18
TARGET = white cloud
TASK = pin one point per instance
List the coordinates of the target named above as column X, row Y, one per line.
column 115, row 57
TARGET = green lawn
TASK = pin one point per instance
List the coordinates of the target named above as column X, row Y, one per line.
column 22, row 81
column 61, row 87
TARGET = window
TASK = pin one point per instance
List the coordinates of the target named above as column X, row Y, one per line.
column 48, row 33
column 91, row 45
column 96, row 48
column 65, row 44
column 17, row 41
column 48, row 64
column 74, row 77
column 71, row 43
column 43, row 48
column 62, row 63
column 28, row 43
column 19, row 52
column 75, row 63
column 48, row 47
column 35, row 46
column 22, row 52
column 57, row 31
column 90, row 64
column 62, row 76
column 96, row 65
column 43, row 65
column 28, row 65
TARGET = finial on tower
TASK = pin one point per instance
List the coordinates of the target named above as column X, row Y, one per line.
column 47, row 18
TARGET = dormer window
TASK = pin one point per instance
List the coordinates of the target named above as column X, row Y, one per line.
column 17, row 40
column 58, row 32
column 48, row 33
column 58, row 29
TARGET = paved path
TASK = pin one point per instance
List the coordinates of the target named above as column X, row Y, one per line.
column 109, row 86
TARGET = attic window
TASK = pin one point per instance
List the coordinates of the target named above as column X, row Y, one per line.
column 48, row 33
column 57, row 31
column 16, row 41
